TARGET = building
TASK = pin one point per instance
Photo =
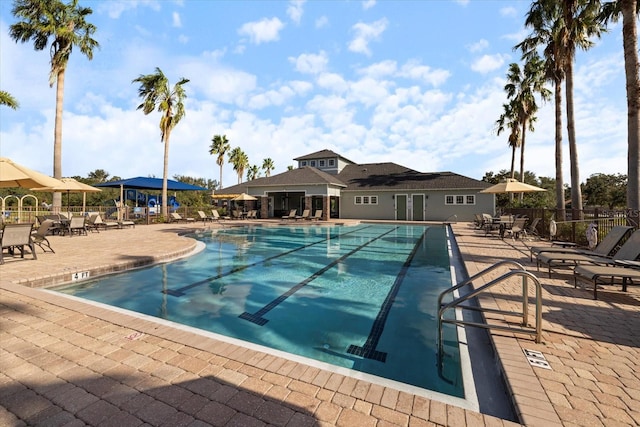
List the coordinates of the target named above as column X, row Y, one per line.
column 341, row 188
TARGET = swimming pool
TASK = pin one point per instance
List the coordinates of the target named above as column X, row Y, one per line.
column 360, row 297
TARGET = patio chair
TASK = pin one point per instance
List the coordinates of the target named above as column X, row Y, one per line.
column 532, row 229
column 292, row 214
column 604, row 248
column 204, row 217
column 517, row 227
column 76, row 225
column 317, row 215
column 39, row 236
column 629, row 251
column 176, row 217
column 252, row 214
column 16, row 236
column 216, row 216
column 305, row 215
column 622, row 272
column 95, row 223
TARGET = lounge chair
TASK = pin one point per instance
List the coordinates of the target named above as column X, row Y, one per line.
column 95, row 223
column 629, row 251
column 305, row 215
column 176, row 217
column 216, row 216
column 604, row 248
column 517, row 227
column 16, row 236
column 204, row 217
column 292, row 214
column 252, row 214
column 39, row 236
column 623, row 272
column 317, row 215
column 532, row 228
column 77, row 226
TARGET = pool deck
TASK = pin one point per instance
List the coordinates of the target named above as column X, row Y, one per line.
column 64, row 362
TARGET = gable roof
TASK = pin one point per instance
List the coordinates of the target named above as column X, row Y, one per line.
column 306, row 175
column 322, row 154
column 391, row 176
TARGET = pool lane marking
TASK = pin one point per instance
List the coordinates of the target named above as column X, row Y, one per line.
column 368, row 350
column 180, row 291
column 257, row 316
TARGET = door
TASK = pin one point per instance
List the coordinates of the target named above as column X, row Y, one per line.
column 401, row 207
column 418, row 207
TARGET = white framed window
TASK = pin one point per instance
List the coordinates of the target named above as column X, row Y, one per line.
column 366, row 200
column 321, row 163
column 303, row 163
column 460, row 199
column 313, row 163
column 332, row 162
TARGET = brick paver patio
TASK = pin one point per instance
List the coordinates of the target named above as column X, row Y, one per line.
column 64, row 362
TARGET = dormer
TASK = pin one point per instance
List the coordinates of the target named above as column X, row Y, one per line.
column 325, row 160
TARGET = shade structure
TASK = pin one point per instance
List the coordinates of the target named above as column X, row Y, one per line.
column 230, row 196
column 142, row 183
column 15, row 175
column 511, row 186
column 70, row 185
column 243, row 197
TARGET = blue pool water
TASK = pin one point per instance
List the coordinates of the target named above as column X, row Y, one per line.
column 362, row 297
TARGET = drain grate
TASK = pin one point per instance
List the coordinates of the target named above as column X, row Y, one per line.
column 536, row 358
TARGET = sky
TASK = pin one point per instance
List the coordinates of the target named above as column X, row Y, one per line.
column 418, row 83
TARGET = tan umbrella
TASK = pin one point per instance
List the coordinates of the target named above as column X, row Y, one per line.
column 244, row 197
column 512, row 186
column 71, row 185
column 15, row 175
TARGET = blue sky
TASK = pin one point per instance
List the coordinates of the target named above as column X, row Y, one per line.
column 418, row 83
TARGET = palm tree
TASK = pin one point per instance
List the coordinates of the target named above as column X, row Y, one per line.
column 240, row 162
column 253, row 172
column 509, row 119
column 575, row 23
column 546, row 33
column 156, row 92
column 268, row 166
column 8, row 100
column 629, row 10
column 66, row 26
column 219, row 146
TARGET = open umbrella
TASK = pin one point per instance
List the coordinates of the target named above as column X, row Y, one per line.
column 15, row 175
column 511, row 186
column 71, row 185
column 244, row 197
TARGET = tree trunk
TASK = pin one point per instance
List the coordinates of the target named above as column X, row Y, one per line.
column 576, row 193
column 632, row 69
column 560, row 215
column 57, row 138
column 165, row 176
column 524, row 135
column 220, row 185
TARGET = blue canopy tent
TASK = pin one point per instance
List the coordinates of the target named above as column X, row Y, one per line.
column 143, row 183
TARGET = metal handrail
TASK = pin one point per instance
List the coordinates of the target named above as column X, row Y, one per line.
column 537, row 331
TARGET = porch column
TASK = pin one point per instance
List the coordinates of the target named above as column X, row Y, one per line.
column 325, row 208
column 308, row 204
column 264, row 207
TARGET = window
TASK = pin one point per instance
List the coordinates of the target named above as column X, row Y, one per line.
column 366, row 200
column 321, row 163
column 460, row 200
column 332, row 162
column 313, row 163
column 303, row 163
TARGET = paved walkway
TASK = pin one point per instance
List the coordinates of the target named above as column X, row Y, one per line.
column 66, row 362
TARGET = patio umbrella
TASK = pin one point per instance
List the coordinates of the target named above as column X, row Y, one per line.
column 511, row 186
column 243, row 197
column 15, row 175
column 71, row 185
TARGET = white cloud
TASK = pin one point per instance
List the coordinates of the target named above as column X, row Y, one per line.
column 294, row 10
column 263, row 31
column 322, row 21
column 368, row 4
column 509, row 11
column 488, row 63
column 424, row 73
column 478, row 46
column 365, row 33
column 176, row 21
column 270, row 98
column 334, row 82
column 380, row 69
column 309, row 63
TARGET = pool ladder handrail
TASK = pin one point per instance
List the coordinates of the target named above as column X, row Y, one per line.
column 456, row 303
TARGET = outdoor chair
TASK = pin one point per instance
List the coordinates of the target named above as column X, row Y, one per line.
column 604, row 248
column 176, row 217
column 516, row 228
column 317, row 215
column 305, row 215
column 252, row 214
column 95, row 222
column 622, row 272
column 39, row 236
column 16, row 236
column 216, row 216
column 204, row 217
column 629, row 251
column 532, row 229
column 77, row 226
column 292, row 214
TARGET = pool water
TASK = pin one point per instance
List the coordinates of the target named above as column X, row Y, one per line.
column 361, row 297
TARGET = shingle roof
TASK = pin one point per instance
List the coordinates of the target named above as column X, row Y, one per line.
column 390, row 176
column 322, row 154
column 296, row 177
